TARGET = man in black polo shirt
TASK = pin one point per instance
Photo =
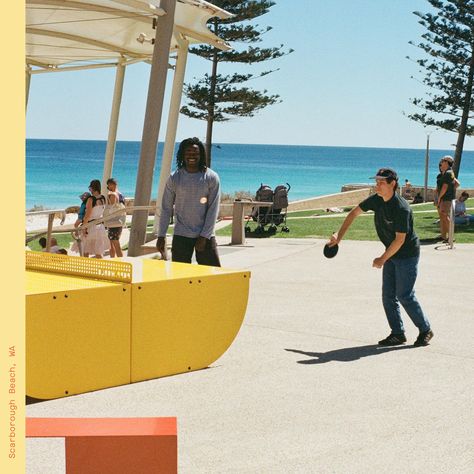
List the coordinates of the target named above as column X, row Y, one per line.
column 394, row 225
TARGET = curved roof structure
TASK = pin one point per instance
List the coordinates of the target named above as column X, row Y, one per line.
column 65, row 34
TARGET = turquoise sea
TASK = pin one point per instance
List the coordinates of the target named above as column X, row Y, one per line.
column 57, row 171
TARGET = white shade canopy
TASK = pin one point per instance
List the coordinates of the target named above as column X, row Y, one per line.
column 65, row 34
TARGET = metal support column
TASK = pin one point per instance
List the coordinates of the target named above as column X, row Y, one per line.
column 427, row 162
column 114, row 118
column 151, row 127
column 172, row 125
column 27, row 85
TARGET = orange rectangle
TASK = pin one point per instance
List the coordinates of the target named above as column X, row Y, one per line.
column 67, row 427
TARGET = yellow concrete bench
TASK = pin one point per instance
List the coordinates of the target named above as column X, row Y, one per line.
column 92, row 324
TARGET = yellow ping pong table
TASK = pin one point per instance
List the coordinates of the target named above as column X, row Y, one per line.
column 93, row 324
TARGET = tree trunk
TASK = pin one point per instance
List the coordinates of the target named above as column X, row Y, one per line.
column 212, row 96
column 465, row 117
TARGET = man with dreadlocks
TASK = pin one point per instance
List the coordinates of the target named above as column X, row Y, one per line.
column 194, row 191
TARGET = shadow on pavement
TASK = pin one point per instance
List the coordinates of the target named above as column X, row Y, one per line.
column 347, row 354
column 31, row 400
column 430, row 241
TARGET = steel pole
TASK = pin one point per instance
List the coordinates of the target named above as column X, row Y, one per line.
column 151, row 127
column 113, row 125
column 172, row 125
column 27, row 86
column 427, row 162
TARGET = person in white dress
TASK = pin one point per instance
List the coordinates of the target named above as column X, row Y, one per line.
column 96, row 241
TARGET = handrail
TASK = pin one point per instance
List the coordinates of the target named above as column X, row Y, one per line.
column 113, row 215
column 451, row 224
column 76, row 233
column 50, row 213
column 101, row 220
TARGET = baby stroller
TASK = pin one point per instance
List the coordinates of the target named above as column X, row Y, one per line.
column 273, row 215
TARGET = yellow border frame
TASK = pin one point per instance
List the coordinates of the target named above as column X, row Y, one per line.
column 12, row 94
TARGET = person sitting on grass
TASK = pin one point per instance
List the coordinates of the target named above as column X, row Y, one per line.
column 407, row 190
column 460, row 215
column 54, row 248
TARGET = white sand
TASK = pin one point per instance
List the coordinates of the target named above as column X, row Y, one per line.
column 39, row 222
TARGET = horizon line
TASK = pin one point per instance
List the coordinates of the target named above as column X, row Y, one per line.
column 253, row 144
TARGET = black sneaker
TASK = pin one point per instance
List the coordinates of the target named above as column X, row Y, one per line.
column 393, row 340
column 424, row 338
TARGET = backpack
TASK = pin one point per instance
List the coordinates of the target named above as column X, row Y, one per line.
column 95, row 199
column 119, row 215
column 280, row 197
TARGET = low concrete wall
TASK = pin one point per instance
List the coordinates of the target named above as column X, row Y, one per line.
column 226, row 209
column 129, row 203
column 348, row 198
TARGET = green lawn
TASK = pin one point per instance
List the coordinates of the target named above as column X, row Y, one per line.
column 361, row 229
column 314, row 212
column 63, row 241
column 429, row 206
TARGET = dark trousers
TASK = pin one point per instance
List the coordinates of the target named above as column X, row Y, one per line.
column 182, row 249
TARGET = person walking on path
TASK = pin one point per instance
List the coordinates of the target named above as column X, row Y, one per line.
column 394, row 225
column 446, row 184
column 194, row 191
column 114, row 228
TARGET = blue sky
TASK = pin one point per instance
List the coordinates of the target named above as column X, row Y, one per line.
column 347, row 84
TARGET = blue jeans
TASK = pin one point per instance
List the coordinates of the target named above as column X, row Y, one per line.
column 398, row 281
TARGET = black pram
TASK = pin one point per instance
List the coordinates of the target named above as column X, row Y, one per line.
column 273, row 215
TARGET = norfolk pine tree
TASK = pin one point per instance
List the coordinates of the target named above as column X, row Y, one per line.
column 218, row 97
column 449, row 69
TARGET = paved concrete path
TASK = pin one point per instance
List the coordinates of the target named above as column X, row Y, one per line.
column 304, row 388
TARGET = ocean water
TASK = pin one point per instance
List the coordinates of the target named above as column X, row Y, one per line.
column 57, row 171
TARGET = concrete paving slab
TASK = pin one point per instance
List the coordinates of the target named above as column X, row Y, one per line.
column 304, row 388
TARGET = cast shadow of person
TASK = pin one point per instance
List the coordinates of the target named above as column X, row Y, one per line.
column 347, row 354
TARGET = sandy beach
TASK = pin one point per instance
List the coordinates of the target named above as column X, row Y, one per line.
column 38, row 222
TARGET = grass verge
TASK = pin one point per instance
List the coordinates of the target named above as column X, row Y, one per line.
column 362, row 228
